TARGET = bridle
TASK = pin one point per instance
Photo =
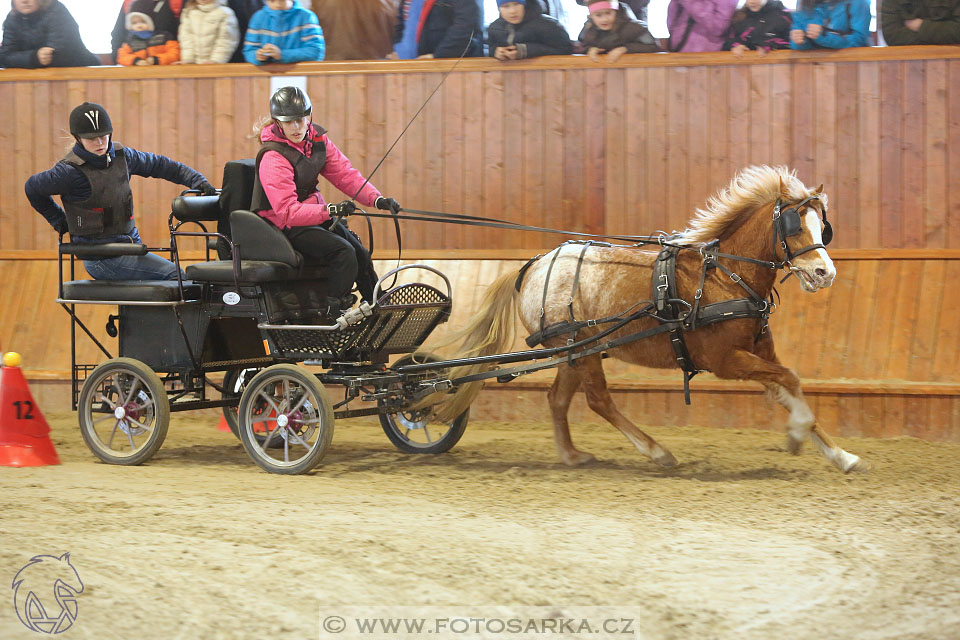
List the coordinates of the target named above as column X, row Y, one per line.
column 787, row 223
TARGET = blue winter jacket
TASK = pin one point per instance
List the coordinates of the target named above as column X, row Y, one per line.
column 68, row 182
column 845, row 23
column 295, row 31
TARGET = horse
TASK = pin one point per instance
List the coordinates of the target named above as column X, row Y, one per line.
column 591, row 281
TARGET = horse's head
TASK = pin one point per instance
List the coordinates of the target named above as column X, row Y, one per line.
column 801, row 233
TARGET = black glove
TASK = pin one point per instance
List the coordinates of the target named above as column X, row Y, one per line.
column 61, row 227
column 387, row 204
column 206, row 189
column 345, row 208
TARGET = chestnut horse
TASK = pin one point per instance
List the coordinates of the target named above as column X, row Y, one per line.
column 743, row 217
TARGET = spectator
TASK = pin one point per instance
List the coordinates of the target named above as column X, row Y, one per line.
column 283, row 31
column 93, row 182
column 42, row 33
column 920, row 21
column 522, row 31
column 356, row 30
column 610, row 30
column 760, row 25
column 447, row 29
column 699, row 25
column 165, row 15
column 145, row 45
column 830, row 24
column 208, row 32
column 244, row 10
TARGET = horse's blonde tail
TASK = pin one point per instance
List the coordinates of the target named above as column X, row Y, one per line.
column 492, row 330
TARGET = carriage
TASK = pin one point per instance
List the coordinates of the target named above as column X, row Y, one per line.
column 257, row 314
column 250, row 318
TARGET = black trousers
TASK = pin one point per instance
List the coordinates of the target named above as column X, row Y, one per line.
column 341, row 252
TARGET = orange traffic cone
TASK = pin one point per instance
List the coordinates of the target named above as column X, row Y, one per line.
column 222, row 425
column 24, row 433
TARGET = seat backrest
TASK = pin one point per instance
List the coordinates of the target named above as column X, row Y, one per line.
column 196, row 208
column 235, row 194
column 258, row 239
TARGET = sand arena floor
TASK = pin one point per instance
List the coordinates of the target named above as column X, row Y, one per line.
column 741, row 540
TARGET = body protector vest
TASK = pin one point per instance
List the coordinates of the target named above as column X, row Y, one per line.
column 109, row 209
column 306, row 171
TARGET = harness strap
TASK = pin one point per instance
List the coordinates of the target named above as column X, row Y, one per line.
column 665, row 295
column 546, row 287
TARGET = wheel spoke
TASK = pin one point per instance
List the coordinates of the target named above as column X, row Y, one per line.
column 286, row 446
column 303, row 399
column 146, row 428
column 296, row 438
column 133, row 389
column 113, row 432
column 107, row 416
column 426, row 432
column 273, row 405
column 133, row 446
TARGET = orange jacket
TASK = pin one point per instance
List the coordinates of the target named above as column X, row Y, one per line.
column 166, row 53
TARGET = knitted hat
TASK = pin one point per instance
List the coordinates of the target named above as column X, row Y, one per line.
column 500, row 3
column 142, row 16
column 600, row 5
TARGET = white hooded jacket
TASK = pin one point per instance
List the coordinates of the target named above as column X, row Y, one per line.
column 208, row 33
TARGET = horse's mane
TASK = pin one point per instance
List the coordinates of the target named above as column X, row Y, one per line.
column 750, row 188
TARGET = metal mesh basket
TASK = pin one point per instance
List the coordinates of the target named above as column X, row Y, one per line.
column 401, row 321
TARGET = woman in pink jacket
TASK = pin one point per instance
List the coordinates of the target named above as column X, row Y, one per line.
column 294, row 153
column 699, row 25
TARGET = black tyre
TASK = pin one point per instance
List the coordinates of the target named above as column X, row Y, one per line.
column 123, row 412
column 234, row 382
column 298, row 417
column 415, row 432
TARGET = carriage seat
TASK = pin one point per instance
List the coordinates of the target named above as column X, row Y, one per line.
column 264, row 253
column 111, row 291
column 129, row 291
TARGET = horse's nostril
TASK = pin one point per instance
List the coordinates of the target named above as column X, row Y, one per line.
column 821, row 273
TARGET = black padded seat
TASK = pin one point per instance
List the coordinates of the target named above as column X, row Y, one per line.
column 129, row 290
column 251, row 272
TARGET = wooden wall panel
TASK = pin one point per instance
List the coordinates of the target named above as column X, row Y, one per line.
column 630, row 148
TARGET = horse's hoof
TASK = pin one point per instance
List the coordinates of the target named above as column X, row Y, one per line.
column 794, row 446
column 577, row 458
column 859, row 465
column 665, row 460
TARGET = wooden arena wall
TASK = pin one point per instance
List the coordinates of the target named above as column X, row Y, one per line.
column 625, row 148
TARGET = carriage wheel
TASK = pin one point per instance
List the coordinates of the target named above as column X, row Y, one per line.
column 234, row 382
column 413, row 431
column 123, row 412
column 298, row 417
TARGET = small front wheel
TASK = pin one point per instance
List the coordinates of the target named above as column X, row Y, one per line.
column 285, row 419
column 414, row 432
column 123, row 411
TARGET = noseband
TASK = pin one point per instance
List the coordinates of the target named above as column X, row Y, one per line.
column 787, row 223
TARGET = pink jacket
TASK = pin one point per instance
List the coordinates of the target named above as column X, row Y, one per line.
column 276, row 177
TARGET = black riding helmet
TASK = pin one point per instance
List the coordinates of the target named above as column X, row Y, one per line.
column 90, row 120
column 290, row 103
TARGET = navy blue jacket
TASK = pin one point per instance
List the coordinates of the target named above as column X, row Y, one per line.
column 447, row 28
column 70, row 184
column 53, row 27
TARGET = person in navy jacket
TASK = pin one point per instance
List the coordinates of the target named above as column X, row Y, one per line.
column 93, row 182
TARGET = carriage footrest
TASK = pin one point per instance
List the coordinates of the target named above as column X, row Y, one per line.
column 120, row 291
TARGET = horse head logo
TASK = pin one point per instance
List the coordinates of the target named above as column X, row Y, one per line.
column 45, row 594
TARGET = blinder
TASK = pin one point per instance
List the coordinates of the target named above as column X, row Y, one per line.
column 787, row 223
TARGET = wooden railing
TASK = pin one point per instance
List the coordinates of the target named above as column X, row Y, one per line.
column 558, row 141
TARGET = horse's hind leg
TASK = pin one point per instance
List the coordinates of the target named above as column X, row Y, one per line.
column 784, row 386
column 560, row 395
column 600, row 401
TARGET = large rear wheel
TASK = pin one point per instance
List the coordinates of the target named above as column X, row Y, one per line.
column 123, row 412
column 285, row 419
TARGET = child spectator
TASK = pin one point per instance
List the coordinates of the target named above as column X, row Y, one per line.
column 428, row 29
column 699, row 25
column 244, row 10
column 830, row 24
column 165, row 15
column 208, row 32
column 760, row 25
column 42, row 33
column 522, row 31
column 145, row 45
column 610, row 30
column 283, row 31
column 906, row 22
column 639, row 8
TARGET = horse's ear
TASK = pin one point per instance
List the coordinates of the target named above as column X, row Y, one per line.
column 818, row 190
column 783, row 189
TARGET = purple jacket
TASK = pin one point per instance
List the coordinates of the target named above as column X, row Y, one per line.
column 710, row 21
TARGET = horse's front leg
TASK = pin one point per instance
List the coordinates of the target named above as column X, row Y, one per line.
column 784, row 386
